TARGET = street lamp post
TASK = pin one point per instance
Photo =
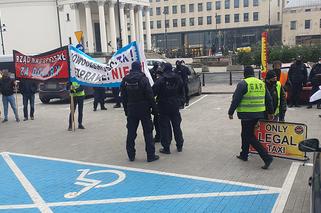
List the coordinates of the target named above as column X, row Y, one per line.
column 2, row 29
column 119, row 24
column 165, row 33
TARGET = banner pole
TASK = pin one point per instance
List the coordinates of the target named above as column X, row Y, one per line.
column 72, row 111
column 17, row 105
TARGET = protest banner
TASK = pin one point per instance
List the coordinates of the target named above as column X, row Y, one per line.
column 281, row 139
column 264, row 54
column 87, row 71
column 52, row 64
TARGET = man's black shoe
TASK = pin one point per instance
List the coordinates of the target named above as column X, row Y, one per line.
column 165, row 151
column 179, row 149
column 156, row 157
column 81, row 127
column 309, row 107
column 117, row 106
column 241, row 158
column 95, row 110
column 131, row 159
column 319, row 116
column 297, row 106
column 4, row 120
column 187, row 104
column 104, row 108
column 32, row 118
column 267, row 164
column 25, row 119
column 290, row 106
column 318, row 106
column 69, row 129
column 156, row 140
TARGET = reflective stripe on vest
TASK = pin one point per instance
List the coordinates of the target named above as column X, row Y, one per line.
column 254, row 99
column 77, row 94
column 278, row 90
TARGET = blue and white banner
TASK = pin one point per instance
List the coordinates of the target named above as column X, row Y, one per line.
column 88, row 72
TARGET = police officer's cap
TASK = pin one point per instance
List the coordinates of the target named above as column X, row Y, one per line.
column 136, row 66
column 167, row 67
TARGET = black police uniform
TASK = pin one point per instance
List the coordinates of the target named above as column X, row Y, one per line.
column 155, row 73
column 169, row 91
column 99, row 98
column 184, row 72
column 138, row 100
column 298, row 77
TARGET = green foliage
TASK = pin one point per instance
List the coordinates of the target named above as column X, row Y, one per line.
column 283, row 53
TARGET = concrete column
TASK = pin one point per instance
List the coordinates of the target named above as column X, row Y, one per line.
column 136, row 25
column 89, row 27
column 125, row 30
column 132, row 23
column 122, row 23
column 148, row 33
column 109, row 49
column 102, row 25
column 75, row 16
column 112, row 23
column 140, row 26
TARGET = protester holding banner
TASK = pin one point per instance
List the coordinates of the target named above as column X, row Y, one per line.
column 138, row 101
column 78, row 95
column 252, row 100
column 99, row 98
column 28, row 88
column 169, row 90
column 278, row 95
column 7, row 88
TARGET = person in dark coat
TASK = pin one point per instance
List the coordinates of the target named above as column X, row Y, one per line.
column 278, row 95
column 115, row 91
column 139, row 103
column 315, row 79
column 252, row 101
column 183, row 72
column 277, row 69
column 99, row 98
column 7, row 89
column 28, row 88
column 298, row 78
column 169, row 90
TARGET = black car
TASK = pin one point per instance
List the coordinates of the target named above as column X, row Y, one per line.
column 312, row 145
column 194, row 82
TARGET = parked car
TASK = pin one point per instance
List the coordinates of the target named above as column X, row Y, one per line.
column 54, row 88
column 312, row 145
column 306, row 91
column 150, row 62
column 194, row 82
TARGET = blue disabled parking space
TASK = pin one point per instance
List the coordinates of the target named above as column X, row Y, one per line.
column 70, row 186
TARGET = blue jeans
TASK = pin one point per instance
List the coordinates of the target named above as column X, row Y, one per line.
column 9, row 99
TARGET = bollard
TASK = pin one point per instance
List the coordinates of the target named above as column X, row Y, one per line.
column 230, row 77
column 203, row 79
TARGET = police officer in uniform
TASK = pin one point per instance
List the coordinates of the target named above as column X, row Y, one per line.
column 169, row 91
column 252, row 100
column 99, row 97
column 78, row 94
column 138, row 101
column 183, row 72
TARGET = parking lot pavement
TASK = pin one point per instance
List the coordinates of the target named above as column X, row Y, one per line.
column 207, row 161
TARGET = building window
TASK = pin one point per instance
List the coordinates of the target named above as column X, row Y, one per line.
column 209, row 19
column 151, row 24
column 200, row 20
column 151, row 11
column 174, row 22
column 320, row 23
column 166, row 23
column 307, row 24
column 307, row 10
column 236, row 3
column 293, row 11
column 218, row 5
column 174, row 9
column 236, row 17
column 255, row 16
column 200, row 7
column 279, row 16
column 158, row 11
column 191, row 8
column 157, row 0
column 68, row 17
column 246, row 3
column 246, row 17
column 166, row 10
column 70, row 41
column 278, row 3
column 209, row 6
column 256, row 3
column 159, row 24
column 183, row 8
column 227, row 4
column 218, row 19
column 293, row 25
column 144, row 25
column 227, row 18
column 150, row 1
column 183, row 22
column 191, row 21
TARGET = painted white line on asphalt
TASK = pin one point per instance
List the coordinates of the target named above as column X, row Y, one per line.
column 161, row 197
column 286, row 188
column 152, row 172
column 34, row 195
column 22, row 206
column 195, row 102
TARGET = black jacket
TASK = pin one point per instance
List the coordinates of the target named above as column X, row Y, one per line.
column 28, row 87
column 298, row 73
column 7, row 86
column 240, row 91
column 273, row 92
column 169, row 101
column 183, row 71
column 315, row 75
column 141, row 103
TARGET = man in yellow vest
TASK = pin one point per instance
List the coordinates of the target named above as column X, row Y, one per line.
column 252, row 101
column 278, row 95
column 78, row 94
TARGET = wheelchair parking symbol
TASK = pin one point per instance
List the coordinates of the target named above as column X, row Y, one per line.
column 89, row 184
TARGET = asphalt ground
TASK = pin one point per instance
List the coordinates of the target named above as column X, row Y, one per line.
column 211, row 143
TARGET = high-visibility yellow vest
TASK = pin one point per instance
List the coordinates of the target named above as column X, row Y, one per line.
column 254, row 99
column 278, row 90
column 76, row 86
